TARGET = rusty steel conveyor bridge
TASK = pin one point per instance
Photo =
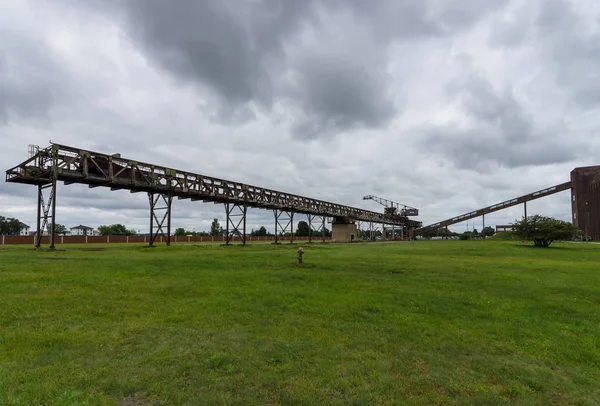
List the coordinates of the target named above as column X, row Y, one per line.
column 497, row 207
column 45, row 167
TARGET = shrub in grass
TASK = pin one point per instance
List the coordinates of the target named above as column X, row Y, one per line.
column 544, row 230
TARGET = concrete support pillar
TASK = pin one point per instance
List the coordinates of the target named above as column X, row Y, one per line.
column 342, row 232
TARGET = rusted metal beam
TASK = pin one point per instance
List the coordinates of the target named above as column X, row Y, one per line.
column 499, row 206
column 96, row 169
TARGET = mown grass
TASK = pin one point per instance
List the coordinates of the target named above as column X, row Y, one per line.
column 442, row 322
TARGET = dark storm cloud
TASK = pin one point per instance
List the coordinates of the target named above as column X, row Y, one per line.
column 232, row 49
column 341, row 94
column 241, row 52
column 499, row 133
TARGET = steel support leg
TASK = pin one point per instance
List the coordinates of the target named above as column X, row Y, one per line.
column 291, row 227
column 284, row 220
column 46, row 214
column 53, row 215
column 483, row 229
column 320, row 228
column 525, row 213
column 40, row 205
column 235, row 222
column 157, row 223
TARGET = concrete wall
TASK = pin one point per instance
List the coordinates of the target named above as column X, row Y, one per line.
column 343, row 232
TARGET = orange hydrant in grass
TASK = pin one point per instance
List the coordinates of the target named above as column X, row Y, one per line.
column 300, row 252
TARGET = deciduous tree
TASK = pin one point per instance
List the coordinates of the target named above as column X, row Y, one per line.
column 115, row 229
column 303, row 229
column 488, row 231
column 544, row 230
column 9, row 226
column 215, row 228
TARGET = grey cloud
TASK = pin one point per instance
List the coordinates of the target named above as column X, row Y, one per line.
column 341, row 94
column 513, row 30
column 482, row 149
column 497, row 109
column 31, row 80
column 499, row 133
column 453, row 15
column 567, row 39
column 571, row 44
column 242, row 53
column 392, row 19
column 200, row 40
column 230, row 49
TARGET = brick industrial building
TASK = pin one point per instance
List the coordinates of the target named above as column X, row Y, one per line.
column 585, row 200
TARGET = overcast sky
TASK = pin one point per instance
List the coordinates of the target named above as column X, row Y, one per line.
column 445, row 105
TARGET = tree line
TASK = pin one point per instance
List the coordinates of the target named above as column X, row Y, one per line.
column 12, row 226
column 9, row 226
column 541, row 230
column 217, row 230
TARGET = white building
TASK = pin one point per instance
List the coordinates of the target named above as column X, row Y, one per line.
column 24, row 229
column 81, row 230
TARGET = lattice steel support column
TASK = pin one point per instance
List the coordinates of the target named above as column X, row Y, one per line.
column 287, row 216
column 155, row 200
column 46, row 214
column 483, row 229
column 236, row 218
column 317, row 229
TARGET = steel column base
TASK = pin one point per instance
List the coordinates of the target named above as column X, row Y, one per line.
column 284, row 220
column 236, row 221
column 157, row 223
column 46, row 217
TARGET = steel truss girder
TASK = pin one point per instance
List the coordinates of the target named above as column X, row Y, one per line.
column 46, row 214
column 319, row 228
column 156, row 221
column 113, row 171
column 287, row 216
column 236, row 217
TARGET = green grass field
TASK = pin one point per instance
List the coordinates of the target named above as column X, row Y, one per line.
column 419, row 323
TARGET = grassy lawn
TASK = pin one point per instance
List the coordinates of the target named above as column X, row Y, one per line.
column 423, row 323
